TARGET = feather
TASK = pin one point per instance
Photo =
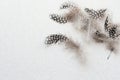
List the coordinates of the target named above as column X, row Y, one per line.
column 67, row 5
column 58, row 18
column 60, row 38
column 99, row 37
column 68, row 43
column 55, row 38
column 95, row 14
column 111, row 29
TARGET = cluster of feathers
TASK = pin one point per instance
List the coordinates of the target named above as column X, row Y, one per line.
column 96, row 24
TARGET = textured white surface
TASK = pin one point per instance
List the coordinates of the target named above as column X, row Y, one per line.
column 24, row 24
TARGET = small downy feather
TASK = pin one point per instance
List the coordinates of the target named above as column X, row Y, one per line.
column 60, row 38
column 73, row 15
column 112, row 31
column 68, row 43
column 66, row 17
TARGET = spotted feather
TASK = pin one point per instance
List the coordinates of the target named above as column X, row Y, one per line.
column 95, row 14
column 59, row 19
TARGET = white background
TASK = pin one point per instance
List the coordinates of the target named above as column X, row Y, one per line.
column 24, row 24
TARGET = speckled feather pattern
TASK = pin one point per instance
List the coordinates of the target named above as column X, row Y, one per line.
column 67, row 5
column 59, row 19
column 95, row 14
column 55, row 38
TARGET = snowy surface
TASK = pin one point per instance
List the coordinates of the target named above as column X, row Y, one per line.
column 24, row 24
